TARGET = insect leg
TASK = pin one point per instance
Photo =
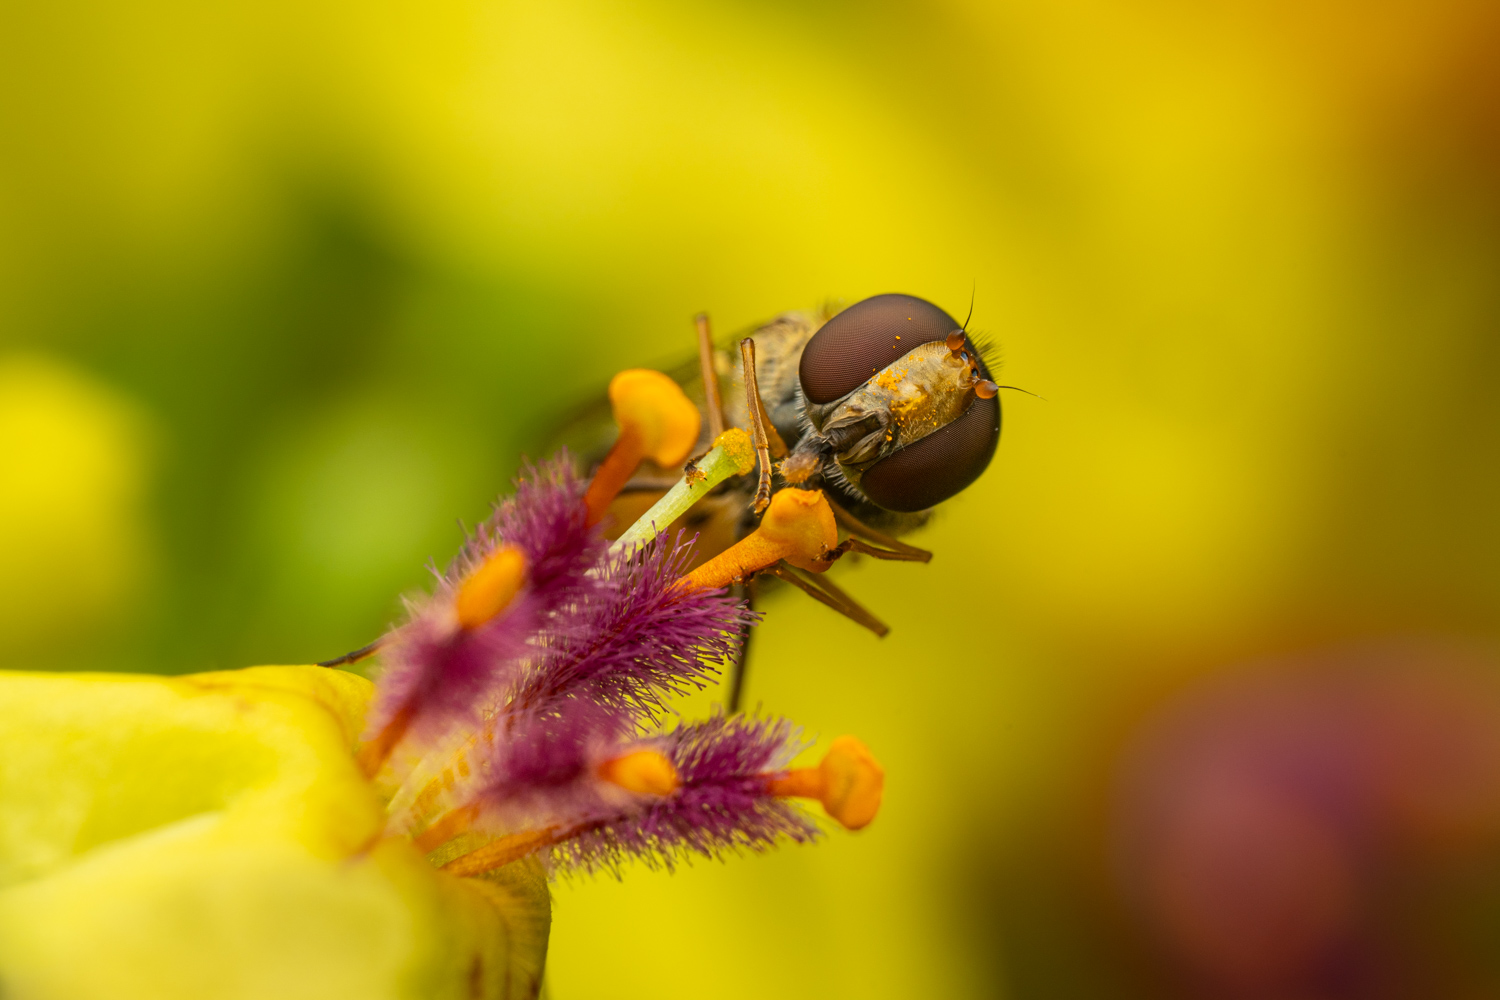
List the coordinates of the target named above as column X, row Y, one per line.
column 826, row 592
column 746, row 592
column 355, row 656
column 774, row 442
column 856, row 611
column 712, row 402
column 853, row 525
column 852, row 544
column 758, row 424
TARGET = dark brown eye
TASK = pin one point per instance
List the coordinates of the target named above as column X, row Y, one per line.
column 940, row 465
column 865, row 338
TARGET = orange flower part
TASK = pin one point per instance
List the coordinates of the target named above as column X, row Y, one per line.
column 448, row 826
column 487, row 590
column 499, row 853
column 644, row 772
column 373, row 754
column 656, row 420
column 849, row 782
column 797, row 527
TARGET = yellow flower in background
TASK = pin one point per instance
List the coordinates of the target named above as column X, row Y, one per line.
column 73, row 542
column 211, row 836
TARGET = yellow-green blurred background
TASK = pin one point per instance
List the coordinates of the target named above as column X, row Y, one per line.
column 288, row 288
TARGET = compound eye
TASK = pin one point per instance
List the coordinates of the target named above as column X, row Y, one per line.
column 865, row 338
column 938, row 466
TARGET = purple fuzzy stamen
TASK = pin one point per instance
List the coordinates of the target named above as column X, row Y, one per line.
column 640, row 637
column 721, row 807
column 574, row 673
column 445, row 677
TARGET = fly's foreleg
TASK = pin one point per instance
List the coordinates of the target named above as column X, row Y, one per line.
column 758, row 425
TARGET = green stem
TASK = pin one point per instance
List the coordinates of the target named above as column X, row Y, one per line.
column 733, row 454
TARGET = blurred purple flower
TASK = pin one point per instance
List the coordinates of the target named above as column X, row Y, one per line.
column 1281, row 833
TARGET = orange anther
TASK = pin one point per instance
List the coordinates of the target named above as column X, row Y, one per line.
column 644, row 772
column 797, row 527
column 849, row 782
column 656, row 406
column 489, row 588
column 656, row 420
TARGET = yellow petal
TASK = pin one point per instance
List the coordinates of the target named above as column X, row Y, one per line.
column 211, row 836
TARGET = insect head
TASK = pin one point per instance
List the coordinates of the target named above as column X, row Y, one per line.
column 899, row 404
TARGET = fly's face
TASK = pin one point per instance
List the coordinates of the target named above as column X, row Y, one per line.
column 924, row 391
column 899, row 406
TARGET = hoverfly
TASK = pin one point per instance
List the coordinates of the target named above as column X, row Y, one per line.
column 887, row 406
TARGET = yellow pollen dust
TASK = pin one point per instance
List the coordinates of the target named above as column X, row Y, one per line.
column 489, row 589
column 738, row 446
column 644, row 772
column 907, row 408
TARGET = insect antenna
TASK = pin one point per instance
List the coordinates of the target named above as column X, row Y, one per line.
column 972, row 289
